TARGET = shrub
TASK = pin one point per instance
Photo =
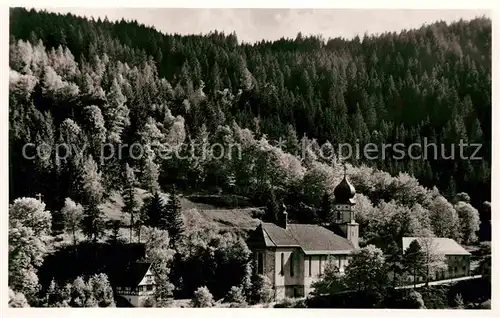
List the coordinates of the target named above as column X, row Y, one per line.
column 235, row 295
column 149, row 302
column 163, row 302
column 404, row 299
column 435, row 297
column 459, row 302
column 291, row 303
column 262, row 289
column 202, row 298
column 300, row 304
column 486, row 304
column 238, row 305
column 286, row 303
column 415, row 300
column 17, row 300
column 370, row 299
column 257, row 213
column 102, row 290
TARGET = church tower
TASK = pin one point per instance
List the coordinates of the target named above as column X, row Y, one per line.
column 343, row 210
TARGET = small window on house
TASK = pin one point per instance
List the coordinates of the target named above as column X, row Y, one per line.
column 260, row 263
column 282, row 263
column 291, row 265
column 463, row 268
column 310, row 265
column 149, row 287
column 339, row 215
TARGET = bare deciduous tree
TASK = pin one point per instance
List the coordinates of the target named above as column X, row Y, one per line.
column 433, row 260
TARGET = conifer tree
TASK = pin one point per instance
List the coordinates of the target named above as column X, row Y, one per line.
column 272, row 208
column 115, row 231
column 130, row 198
column 117, row 113
column 414, row 261
column 93, row 192
column 150, row 174
column 96, row 129
column 394, row 262
column 326, row 207
column 174, row 221
column 292, row 144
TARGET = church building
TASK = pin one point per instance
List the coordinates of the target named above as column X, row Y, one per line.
column 293, row 256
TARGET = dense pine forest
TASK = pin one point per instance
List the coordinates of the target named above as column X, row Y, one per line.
column 97, row 84
column 433, row 82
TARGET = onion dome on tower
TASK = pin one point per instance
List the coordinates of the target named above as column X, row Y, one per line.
column 344, row 191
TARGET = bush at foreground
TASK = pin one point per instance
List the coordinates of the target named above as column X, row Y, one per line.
column 262, row 289
column 202, row 298
column 235, row 295
column 291, row 303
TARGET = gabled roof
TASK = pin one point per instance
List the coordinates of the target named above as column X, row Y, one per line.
column 442, row 245
column 131, row 275
column 311, row 238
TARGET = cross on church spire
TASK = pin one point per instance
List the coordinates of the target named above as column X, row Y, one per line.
column 39, row 196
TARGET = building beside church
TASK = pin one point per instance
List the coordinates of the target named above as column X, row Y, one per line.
column 136, row 284
column 457, row 259
column 292, row 256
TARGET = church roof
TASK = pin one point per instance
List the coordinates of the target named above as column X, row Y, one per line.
column 344, row 191
column 312, row 238
column 441, row 245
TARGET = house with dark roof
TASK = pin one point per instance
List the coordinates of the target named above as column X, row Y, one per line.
column 293, row 256
column 136, row 283
column 456, row 258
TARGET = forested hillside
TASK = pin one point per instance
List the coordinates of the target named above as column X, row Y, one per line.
column 124, row 82
column 433, row 82
column 99, row 85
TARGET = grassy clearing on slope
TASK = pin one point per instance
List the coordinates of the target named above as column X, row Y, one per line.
column 232, row 218
column 224, row 218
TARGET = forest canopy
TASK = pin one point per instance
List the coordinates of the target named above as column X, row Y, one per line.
column 97, row 85
column 92, row 82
